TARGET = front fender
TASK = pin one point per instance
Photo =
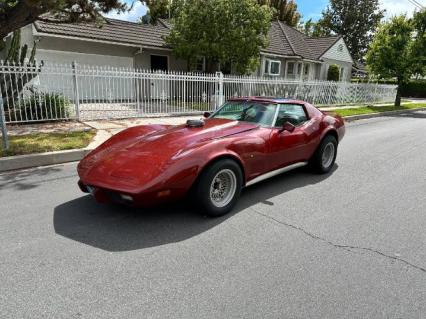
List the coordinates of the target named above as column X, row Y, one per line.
column 122, row 137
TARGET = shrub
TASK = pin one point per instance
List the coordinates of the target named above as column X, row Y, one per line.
column 414, row 88
column 41, row 106
column 333, row 73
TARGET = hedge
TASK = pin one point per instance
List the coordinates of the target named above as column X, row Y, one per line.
column 414, row 88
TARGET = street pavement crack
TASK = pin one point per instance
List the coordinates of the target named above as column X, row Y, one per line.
column 349, row 248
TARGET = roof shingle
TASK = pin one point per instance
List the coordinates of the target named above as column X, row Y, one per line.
column 321, row 44
column 112, row 30
column 283, row 39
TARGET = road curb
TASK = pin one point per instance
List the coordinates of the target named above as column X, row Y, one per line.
column 42, row 159
column 380, row 114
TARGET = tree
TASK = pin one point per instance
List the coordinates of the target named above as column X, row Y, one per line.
column 333, row 73
column 283, row 10
column 314, row 29
column 11, row 85
column 227, row 33
column 356, row 21
column 419, row 45
column 158, row 9
column 391, row 52
column 15, row 14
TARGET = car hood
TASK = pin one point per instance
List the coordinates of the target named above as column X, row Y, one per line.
column 139, row 159
column 175, row 138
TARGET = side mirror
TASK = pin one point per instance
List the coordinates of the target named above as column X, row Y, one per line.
column 206, row 114
column 287, row 126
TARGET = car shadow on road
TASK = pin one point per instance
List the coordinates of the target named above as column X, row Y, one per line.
column 117, row 228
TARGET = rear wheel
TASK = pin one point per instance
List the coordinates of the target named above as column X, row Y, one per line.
column 219, row 187
column 324, row 157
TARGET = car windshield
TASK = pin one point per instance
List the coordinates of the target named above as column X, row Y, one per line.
column 247, row 111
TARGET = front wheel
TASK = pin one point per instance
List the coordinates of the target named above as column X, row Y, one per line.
column 324, row 157
column 219, row 187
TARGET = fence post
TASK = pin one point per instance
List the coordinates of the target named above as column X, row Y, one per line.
column 3, row 125
column 138, row 89
column 76, row 92
column 220, row 99
column 184, row 77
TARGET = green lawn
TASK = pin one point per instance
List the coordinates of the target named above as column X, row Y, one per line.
column 377, row 109
column 47, row 142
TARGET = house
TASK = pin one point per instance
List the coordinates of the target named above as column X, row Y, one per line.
column 290, row 53
column 293, row 55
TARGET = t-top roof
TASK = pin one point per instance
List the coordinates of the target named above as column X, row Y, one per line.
column 266, row 99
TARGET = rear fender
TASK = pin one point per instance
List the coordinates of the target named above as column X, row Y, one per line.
column 330, row 130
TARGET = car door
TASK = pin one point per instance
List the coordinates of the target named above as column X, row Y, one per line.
column 286, row 147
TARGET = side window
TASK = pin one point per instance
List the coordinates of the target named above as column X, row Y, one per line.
column 293, row 113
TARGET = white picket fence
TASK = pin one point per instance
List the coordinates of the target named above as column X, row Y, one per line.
column 58, row 92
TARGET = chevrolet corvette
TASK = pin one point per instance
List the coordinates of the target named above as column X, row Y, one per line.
column 243, row 142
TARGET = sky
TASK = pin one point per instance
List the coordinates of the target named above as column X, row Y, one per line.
column 308, row 9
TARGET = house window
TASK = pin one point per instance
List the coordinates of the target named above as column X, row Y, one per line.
column 290, row 68
column 199, row 65
column 272, row 67
column 299, row 68
column 266, row 70
column 306, row 70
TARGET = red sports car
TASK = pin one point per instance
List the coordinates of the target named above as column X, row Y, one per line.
column 245, row 141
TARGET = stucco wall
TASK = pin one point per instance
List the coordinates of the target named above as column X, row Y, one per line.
column 64, row 57
column 59, row 50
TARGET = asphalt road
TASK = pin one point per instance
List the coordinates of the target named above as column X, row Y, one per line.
column 351, row 244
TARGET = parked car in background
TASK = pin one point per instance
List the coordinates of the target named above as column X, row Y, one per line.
column 245, row 141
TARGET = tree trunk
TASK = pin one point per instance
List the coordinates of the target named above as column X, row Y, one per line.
column 398, row 94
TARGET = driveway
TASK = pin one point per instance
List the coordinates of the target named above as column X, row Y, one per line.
column 351, row 244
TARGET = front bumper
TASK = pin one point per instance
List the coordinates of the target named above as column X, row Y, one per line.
column 145, row 199
column 106, row 196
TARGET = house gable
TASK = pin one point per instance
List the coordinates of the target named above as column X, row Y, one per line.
column 338, row 51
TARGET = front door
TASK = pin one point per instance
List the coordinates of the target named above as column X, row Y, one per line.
column 159, row 85
column 159, row 63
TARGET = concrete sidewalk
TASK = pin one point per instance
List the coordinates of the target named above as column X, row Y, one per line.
column 107, row 128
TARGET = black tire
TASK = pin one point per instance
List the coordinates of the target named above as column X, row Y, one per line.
column 317, row 163
column 202, row 190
